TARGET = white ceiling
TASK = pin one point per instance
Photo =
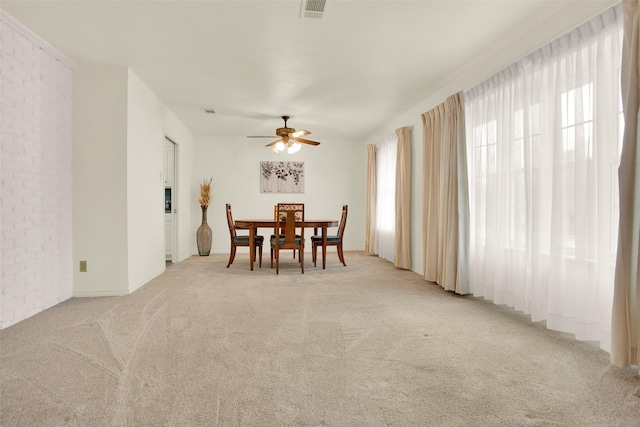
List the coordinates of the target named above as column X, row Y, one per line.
column 253, row 61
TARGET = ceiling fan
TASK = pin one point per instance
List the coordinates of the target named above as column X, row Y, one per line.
column 289, row 139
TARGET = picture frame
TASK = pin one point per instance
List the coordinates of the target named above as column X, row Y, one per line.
column 281, row 177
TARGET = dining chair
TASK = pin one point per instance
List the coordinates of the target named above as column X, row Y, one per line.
column 284, row 232
column 331, row 240
column 275, row 216
column 241, row 240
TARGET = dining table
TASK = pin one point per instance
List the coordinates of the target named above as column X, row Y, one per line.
column 254, row 224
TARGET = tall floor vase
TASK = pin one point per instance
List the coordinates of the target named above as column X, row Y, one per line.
column 203, row 235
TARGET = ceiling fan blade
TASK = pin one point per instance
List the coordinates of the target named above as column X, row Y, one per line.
column 260, row 136
column 306, row 141
column 299, row 133
column 273, row 143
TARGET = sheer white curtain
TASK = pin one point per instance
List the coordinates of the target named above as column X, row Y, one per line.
column 543, row 140
column 385, row 235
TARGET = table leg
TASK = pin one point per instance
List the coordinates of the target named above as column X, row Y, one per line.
column 324, row 245
column 252, row 243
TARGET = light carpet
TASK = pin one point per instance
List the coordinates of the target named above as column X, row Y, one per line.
column 362, row 345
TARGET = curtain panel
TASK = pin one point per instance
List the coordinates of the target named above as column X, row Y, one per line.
column 385, row 225
column 625, row 328
column 543, row 148
column 403, row 199
column 445, row 203
column 370, row 213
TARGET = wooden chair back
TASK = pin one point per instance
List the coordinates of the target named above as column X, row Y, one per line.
column 343, row 221
column 232, row 228
column 286, row 216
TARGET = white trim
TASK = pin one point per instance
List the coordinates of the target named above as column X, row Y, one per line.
column 148, row 279
column 101, row 293
column 19, row 27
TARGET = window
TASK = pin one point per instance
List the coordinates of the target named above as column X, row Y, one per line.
column 484, row 158
column 543, row 171
column 577, row 145
column 385, row 197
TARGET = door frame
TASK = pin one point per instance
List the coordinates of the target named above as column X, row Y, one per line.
column 174, row 195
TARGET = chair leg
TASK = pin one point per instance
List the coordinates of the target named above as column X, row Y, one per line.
column 271, row 257
column 314, row 253
column 341, row 254
column 260, row 250
column 301, row 254
column 277, row 261
column 232, row 255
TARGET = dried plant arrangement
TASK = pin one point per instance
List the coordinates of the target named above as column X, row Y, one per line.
column 205, row 192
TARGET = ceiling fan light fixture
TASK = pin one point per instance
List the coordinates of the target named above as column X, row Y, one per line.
column 293, row 148
column 289, row 139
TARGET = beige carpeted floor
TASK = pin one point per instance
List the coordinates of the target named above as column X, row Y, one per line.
column 362, row 345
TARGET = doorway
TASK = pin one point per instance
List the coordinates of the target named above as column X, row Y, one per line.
column 170, row 201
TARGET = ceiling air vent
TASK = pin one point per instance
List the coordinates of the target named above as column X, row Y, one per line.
column 313, row 8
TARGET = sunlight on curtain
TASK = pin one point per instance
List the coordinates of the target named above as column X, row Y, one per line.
column 625, row 327
column 543, row 140
column 386, row 152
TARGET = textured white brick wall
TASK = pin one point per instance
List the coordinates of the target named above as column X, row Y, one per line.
column 35, row 166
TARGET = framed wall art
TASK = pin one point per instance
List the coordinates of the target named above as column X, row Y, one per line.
column 281, row 177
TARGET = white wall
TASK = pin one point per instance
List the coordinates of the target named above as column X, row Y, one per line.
column 119, row 130
column 335, row 174
column 100, row 179
column 35, row 135
column 116, row 134
column 148, row 121
column 182, row 201
column 145, row 183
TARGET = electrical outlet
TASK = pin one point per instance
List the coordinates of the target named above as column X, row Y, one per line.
column 83, row 266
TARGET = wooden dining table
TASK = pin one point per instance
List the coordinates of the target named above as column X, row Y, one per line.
column 253, row 224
